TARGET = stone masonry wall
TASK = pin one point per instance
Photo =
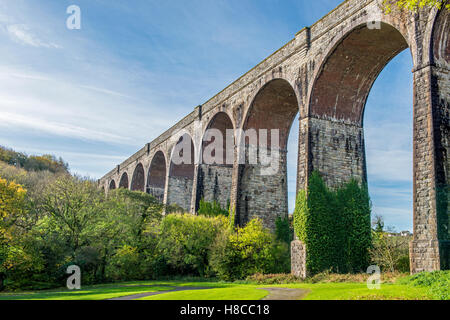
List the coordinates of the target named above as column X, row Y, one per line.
column 214, row 184
column 336, row 150
column 263, row 196
column 298, row 259
column 180, row 192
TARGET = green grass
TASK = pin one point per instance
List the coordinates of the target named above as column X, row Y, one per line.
column 402, row 290
column 317, row 291
column 89, row 293
column 438, row 283
column 359, row 291
column 233, row 293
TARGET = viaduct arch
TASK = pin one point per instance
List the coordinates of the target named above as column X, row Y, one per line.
column 214, row 172
column 124, row 181
column 181, row 173
column 112, row 185
column 323, row 75
column 138, row 180
column 265, row 196
column 156, row 179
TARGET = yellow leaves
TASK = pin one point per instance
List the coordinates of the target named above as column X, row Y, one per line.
column 12, row 196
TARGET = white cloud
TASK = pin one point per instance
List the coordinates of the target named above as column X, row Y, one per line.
column 50, row 104
column 22, row 34
column 61, row 129
column 106, row 91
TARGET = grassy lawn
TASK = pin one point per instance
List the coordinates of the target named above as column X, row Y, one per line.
column 101, row 292
column 359, row 291
column 227, row 291
column 238, row 292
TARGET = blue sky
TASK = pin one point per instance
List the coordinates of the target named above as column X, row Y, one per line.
column 95, row 96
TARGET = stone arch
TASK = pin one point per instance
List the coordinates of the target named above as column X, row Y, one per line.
column 156, row 179
column 222, row 122
column 338, row 96
column 124, row 181
column 347, row 73
column 214, row 174
column 112, row 185
column 138, row 180
column 440, row 46
column 181, row 173
column 264, row 195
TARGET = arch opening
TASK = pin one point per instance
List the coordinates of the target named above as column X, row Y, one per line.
column 341, row 89
column 112, row 185
column 138, row 181
column 157, row 176
column 124, row 181
column 181, row 173
column 215, row 172
column 339, row 96
column 260, row 195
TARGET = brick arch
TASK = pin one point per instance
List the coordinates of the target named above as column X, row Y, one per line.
column 156, row 179
column 138, row 180
column 215, row 171
column 124, row 181
column 274, row 106
column 261, row 113
column 440, row 47
column 181, row 175
column 220, row 121
column 112, row 185
column 346, row 75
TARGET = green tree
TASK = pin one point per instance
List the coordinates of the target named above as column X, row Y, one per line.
column 70, row 205
column 12, row 197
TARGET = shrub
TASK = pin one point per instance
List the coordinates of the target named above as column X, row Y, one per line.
column 240, row 253
column 185, row 242
column 211, row 209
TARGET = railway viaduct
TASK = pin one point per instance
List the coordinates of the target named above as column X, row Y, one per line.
column 323, row 76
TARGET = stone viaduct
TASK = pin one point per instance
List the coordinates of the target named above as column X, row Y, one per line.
column 324, row 76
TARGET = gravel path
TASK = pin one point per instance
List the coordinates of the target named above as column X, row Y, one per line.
column 285, row 294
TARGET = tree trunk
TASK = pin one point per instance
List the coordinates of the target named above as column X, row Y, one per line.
column 2, row 281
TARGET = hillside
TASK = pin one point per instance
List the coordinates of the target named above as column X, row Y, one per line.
column 33, row 162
